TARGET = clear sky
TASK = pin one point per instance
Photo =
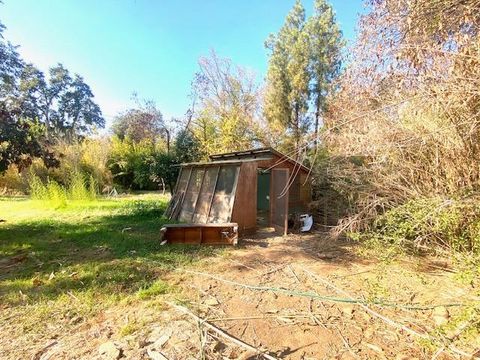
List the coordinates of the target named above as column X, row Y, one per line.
column 149, row 46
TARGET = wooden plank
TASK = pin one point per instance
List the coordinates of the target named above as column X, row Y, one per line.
column 208, row 225
column 177, row 211
column 193, row 235
column 213, row 195
column 213, row 234
column 177, row 236
column 198, row 194
column 245, row 202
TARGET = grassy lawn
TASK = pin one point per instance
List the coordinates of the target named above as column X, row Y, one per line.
column 65, row 264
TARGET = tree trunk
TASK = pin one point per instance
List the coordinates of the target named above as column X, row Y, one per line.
column 296, row 130
column 168, row 140
column 317, row 118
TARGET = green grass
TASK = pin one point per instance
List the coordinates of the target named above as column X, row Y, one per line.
column 61, row 264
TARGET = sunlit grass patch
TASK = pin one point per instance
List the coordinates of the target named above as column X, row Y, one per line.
column 64, row 265
column 159, row 287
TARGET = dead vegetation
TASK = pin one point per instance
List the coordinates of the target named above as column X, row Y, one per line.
column 405, row 122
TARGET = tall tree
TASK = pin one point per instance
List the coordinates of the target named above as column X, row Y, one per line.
column 64, row 104
column 288, row 77
column 59, row 80
column 78, row 113
column 145, row 122
column 226, row 114
column 20, row 139
column 325, row 41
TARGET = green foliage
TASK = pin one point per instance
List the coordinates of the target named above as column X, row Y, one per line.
column 427, row 222
column 130, row 164
column 187, row 148
column 227, row 113
column 163, row 168
column 287, row 91
column 21, row 140
column 81, row 189
column 145, row 165
column 88, row 156
column 326, row 43
column 51, row 192
column 304, row 61
column 35, row 111
column 38, row 190
column 159, row 287
column 12, row 181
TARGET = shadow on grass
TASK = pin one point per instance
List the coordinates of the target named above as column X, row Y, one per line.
column 117, row 253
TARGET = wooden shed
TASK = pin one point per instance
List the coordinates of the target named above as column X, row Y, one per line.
column 252, row 189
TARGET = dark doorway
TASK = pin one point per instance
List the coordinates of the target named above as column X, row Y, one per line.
column 279, row 201
column 263, row 199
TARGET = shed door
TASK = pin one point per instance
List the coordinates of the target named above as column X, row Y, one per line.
column 279, row 200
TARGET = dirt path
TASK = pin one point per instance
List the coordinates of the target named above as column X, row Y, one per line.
column 303, row 318
column 293, row 326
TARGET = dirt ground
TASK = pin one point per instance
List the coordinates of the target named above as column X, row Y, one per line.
column 287, row 297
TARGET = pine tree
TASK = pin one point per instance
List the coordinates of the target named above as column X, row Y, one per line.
column 288, row 78
column 326, row 44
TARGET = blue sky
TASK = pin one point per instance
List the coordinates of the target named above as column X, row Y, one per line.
column 149, row 46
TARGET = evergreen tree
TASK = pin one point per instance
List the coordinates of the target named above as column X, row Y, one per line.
column 288, row 77
column 326, row 44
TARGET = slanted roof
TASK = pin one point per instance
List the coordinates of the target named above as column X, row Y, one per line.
column 220, row 162
column 256, row 154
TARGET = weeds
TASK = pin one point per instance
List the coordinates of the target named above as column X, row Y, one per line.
column 425, row 224
column 52, row 193
column 158, row 287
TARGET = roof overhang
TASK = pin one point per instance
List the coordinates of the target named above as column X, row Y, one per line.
column 257, row 154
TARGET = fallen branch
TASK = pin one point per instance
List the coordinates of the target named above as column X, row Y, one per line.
column 42, row 351
column 313, row 295
column 265, row 317
column 384, row 318
column 156, row 355
column 221, row 332
column 346, row 344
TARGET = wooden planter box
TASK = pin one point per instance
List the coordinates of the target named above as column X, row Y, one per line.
column 207, row 234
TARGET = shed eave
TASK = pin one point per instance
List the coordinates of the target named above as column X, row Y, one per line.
column 260, row 151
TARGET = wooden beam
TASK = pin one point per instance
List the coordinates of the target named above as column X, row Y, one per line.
column 213, row 193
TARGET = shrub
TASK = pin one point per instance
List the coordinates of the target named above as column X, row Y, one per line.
column 88, row 157
column 134, row 165
column 80, row 189
column 38, row 190
column 12, row 180
column 52, row 192
column 426, row 223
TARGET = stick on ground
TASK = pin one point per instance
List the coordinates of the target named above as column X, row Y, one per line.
column 221, row 332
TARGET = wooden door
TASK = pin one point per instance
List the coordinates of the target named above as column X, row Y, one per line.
column 279, row 200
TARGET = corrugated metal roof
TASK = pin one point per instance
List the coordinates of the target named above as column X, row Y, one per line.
column 237, row 157
column 255, row 154
column 221, row 162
